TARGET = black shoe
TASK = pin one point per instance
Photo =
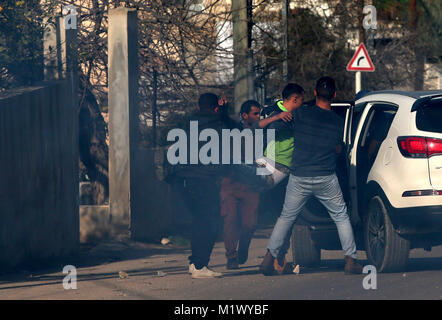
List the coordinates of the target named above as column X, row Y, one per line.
column 232, row 264
column 243, row 258
column 243, row 253
column 267, row 265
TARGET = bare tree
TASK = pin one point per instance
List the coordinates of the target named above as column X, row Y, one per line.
column 184, row 45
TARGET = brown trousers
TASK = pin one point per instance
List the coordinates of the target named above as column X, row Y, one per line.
column 239, row 209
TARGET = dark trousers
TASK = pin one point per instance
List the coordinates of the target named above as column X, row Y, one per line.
column 202, row 198
column 239, row 208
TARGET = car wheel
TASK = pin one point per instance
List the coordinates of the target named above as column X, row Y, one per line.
column 385, row 248
column 304, row 250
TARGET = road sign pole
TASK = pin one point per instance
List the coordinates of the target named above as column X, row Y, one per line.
column 358, row 84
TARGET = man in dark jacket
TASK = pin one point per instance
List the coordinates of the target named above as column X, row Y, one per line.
column 318, row 133
column 201, row 186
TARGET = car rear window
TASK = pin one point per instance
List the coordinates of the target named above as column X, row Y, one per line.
column 429, row 117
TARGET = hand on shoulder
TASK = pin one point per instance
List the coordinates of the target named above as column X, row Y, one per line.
column 285, row 116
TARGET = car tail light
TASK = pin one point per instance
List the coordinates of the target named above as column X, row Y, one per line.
column 419, row 147
column 434, row 146
column 416, row 193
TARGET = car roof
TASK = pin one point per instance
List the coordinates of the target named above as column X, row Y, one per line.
column 411, row 94
column 420, row 97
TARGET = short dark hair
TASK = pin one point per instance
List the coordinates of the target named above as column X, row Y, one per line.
column 325, row 88
column 291, row 89
column 247, row 106
column 208, row 101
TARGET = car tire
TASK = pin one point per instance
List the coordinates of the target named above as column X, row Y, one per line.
column 385, row 248
column 304, row 250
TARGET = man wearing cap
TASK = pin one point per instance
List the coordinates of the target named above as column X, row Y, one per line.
column 200, row 185
column 318, row 133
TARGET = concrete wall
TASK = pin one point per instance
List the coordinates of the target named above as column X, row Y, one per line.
column 38, row 176
column 151, row 198
column 96, row 224
column 157, row 208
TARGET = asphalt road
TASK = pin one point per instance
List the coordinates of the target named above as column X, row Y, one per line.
column 160, row 272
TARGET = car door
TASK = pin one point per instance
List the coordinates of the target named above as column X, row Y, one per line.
column 353, row 119
column 373, row 126
column 345, row 111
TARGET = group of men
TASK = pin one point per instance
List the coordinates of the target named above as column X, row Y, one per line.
column 308, row 139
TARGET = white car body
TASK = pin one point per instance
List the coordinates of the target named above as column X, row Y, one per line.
column 391, row 180
column 395, row 173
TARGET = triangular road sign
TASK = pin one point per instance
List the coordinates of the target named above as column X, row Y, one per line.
column 361, row 60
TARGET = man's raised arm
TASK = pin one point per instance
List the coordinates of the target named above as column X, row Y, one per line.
column 284, row 116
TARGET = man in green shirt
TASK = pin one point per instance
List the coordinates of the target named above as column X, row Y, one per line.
column 292, row 98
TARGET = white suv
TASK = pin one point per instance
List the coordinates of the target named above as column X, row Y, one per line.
column 391, row 177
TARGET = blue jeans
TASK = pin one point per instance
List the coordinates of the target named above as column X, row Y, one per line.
column 328, row 191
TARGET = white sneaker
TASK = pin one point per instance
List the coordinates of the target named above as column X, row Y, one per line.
column 205, row 272
column 191, row 268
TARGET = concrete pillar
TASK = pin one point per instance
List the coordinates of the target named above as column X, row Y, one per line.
column 60, row 46
column 241, row 53
column 123, row 112
column 51, row 49
column 68, row 51
column 68, row 70
column 61, row 63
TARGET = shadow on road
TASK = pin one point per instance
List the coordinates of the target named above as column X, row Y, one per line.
column 45, row 280
column 414, row 265
column 94, row 256
column 424, row 264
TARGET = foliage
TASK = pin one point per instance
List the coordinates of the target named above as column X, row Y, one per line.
column 21, row 31
column 182, row 44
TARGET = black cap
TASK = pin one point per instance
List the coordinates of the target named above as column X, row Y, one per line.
column 208, row 101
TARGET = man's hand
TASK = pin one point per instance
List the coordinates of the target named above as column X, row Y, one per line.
column 285, row 116
column 222, row 100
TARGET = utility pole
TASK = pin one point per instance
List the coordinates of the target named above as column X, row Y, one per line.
column 419, row 56
column 250, row 68
column 242, row 63
column 154, row 108
column 361, row 31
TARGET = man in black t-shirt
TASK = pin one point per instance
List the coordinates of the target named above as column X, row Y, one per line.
column 318, row 133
